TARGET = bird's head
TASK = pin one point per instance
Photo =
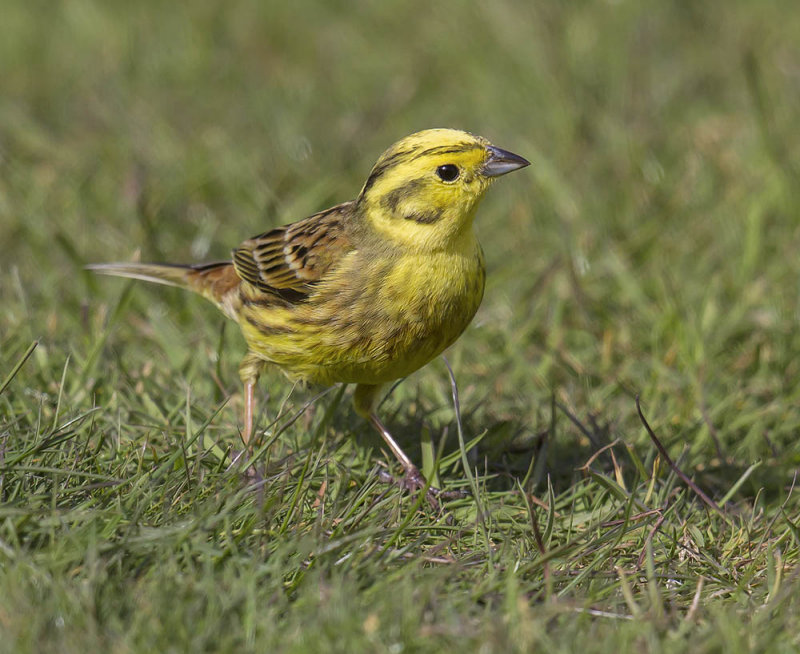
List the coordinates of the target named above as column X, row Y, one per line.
column 423, row 191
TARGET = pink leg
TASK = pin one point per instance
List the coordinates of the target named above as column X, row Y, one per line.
column 364, row 401
column 414, row 479
column 249, row 402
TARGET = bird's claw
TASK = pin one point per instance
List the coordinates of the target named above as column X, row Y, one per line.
column 413, row 480
column 251, row 472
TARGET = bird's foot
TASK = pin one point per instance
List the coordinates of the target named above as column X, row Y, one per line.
column 413, row 480
column 251, row 473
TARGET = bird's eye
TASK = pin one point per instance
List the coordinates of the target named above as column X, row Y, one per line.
column 448, row 172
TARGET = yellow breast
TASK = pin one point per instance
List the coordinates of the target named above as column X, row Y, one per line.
column 374, row 320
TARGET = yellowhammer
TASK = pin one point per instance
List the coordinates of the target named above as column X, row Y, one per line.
column 367, row 291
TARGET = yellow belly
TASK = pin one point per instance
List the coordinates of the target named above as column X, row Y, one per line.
column 372, row 322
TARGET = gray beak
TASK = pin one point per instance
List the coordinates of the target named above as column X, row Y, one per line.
column 501, row 162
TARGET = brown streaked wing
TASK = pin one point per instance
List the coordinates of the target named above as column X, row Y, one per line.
column 289, row 260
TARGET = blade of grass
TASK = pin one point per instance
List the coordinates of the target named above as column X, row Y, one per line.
column 18, row 366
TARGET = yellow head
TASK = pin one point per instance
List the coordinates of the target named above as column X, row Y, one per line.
column 423, row 191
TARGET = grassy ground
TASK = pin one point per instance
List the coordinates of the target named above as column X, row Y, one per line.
column 651, row 249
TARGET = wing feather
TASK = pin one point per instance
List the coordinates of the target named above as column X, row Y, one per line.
column 289, row 260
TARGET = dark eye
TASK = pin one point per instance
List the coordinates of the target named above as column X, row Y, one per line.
column 448, row 172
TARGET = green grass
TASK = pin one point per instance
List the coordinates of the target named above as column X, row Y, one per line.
column 651, row 249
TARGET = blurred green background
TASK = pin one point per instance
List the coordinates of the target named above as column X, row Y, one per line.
column 651, row 248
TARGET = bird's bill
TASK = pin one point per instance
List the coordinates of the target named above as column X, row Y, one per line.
column 501, row 162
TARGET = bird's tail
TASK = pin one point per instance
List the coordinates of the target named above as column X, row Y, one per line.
column 214, row 281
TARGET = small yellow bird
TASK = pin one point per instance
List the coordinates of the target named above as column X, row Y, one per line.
column 367, row 291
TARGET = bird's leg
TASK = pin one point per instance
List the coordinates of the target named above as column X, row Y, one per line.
column 364, row 400
column 413, row 479
column 249, row 371
column 249, row 402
